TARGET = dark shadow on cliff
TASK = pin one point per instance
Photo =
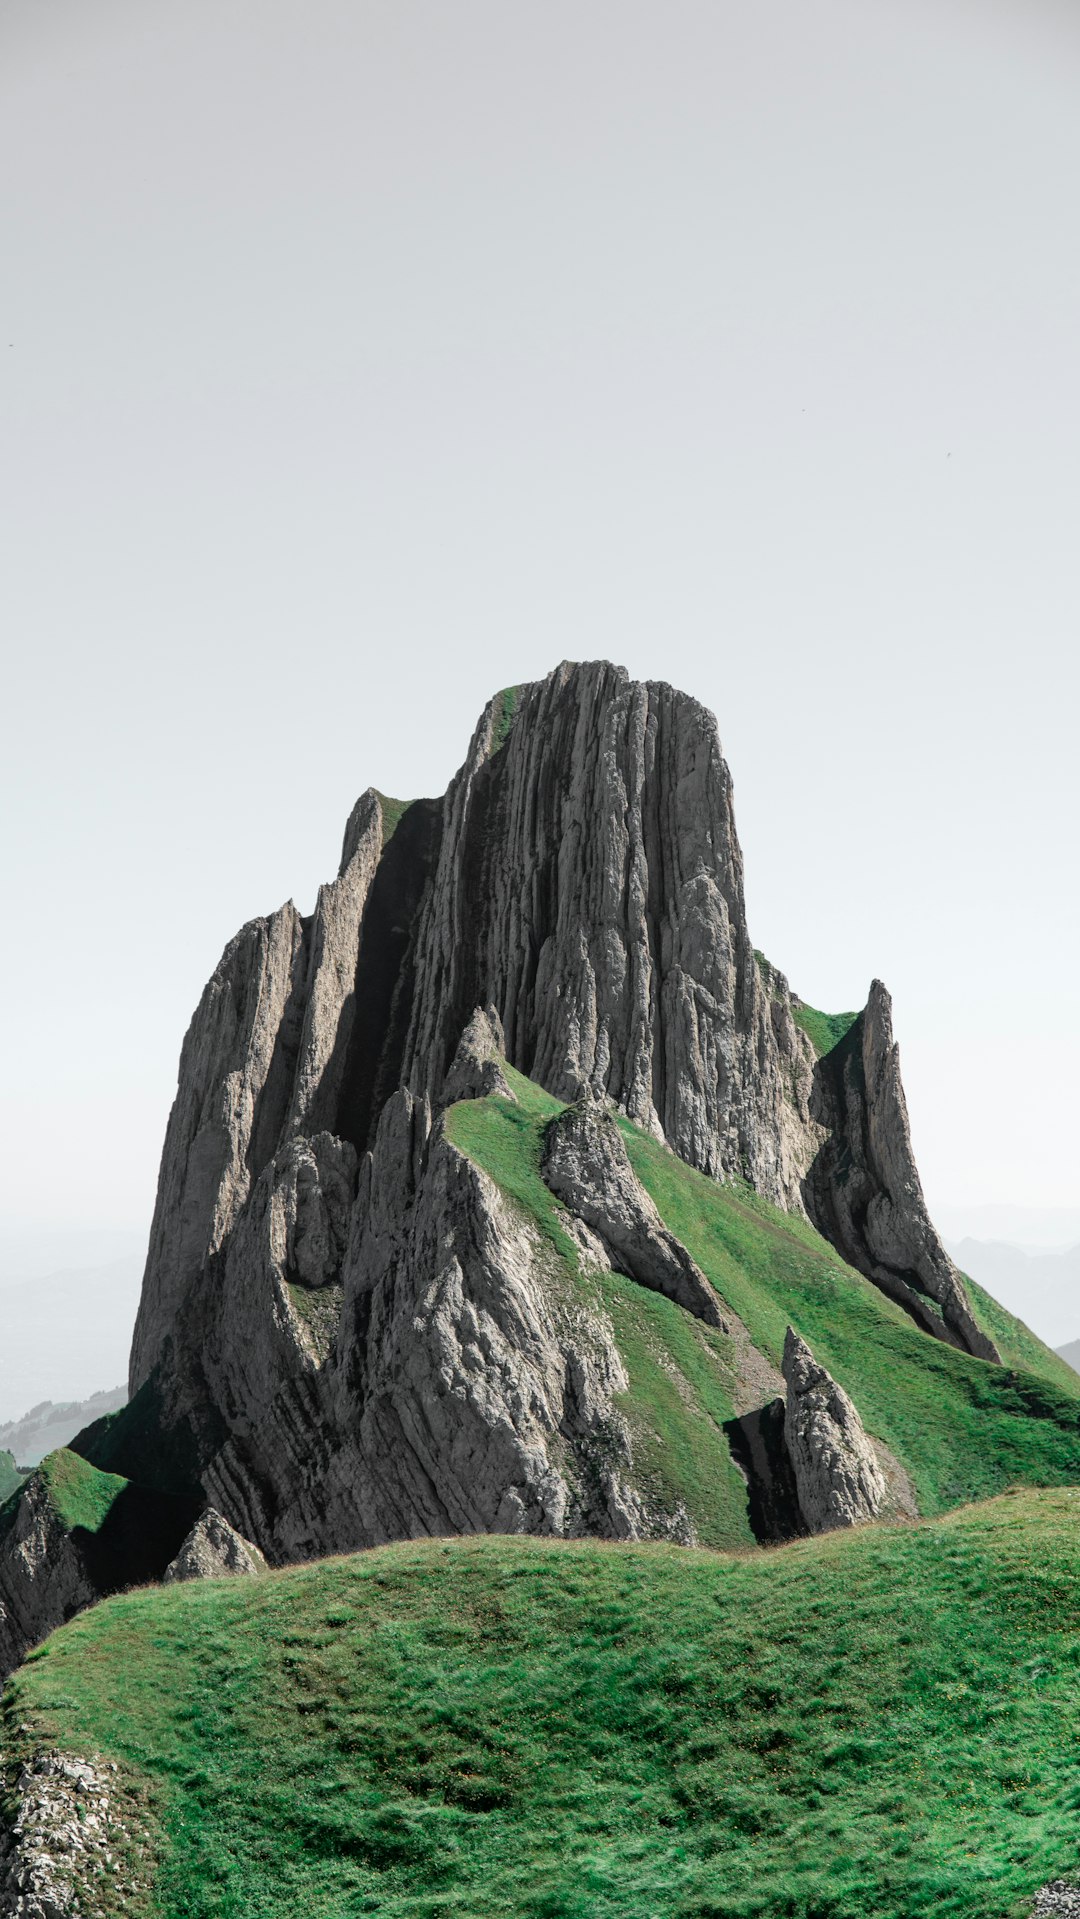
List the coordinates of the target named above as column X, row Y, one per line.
column 758, row 1449
column 385, row 974
column 141, row 1443
column 141, row 1533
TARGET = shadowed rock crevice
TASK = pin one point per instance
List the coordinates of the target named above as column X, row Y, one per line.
column 385, row 972
column 759, row 1449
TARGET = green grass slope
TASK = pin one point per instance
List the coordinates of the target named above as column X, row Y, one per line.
column 962, row 1429
column 878, row 1722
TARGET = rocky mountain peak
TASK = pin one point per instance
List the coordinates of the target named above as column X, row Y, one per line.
column 364, row 1317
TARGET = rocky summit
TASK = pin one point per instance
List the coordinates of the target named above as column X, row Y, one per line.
column 512, row 1191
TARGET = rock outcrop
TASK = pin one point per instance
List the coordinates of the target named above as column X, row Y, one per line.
column 863, row 1190
column 589, row 886
column 69, row 1840
column 213, row 1550
column 476, row 1069
column 837, row 1476
column 585, row 1163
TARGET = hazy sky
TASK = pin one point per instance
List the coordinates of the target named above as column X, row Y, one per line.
column 360, row 359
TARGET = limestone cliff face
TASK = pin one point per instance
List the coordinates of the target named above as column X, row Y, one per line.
column 590, row 887
column 347, row 1328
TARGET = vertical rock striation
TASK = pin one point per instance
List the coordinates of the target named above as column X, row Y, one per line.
column 590, row 887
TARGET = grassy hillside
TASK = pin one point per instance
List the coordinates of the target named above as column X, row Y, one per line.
column 962, row 1429
column 880, row 1722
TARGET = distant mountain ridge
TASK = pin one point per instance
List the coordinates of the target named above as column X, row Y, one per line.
column 1042, row 1288
column 64, row 1333
column 48, row 1425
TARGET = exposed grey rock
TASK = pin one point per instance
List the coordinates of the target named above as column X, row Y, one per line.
column 469, row 1390
column 864, row 1191
column 330, row 988
column 837, row 1475
column 1057, row 1900
column 576, row 903
column 66, row 1841
column 236, row 1072
column 270, row 1311
column 213, row 1549
column 477, row 1067
column 586, row 1165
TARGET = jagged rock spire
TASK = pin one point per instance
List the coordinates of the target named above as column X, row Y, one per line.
column 837, row 1474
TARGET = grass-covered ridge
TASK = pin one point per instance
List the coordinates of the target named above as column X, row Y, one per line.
column 80, row 1495
column 393, row 812
column 962, row 1429
column 824, row 1030
column 880, row 1722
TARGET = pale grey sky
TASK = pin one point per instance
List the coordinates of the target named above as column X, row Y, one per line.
column 356, row 360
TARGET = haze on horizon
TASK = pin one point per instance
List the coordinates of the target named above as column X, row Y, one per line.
column 359, row 360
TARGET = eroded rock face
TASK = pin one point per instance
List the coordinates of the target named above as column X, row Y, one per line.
column 236, row 1072
column 837, row 1476
column 589, row 886
column 212, row 1550
column 465, row 1392
column 575, row 903
column 585, row 1163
